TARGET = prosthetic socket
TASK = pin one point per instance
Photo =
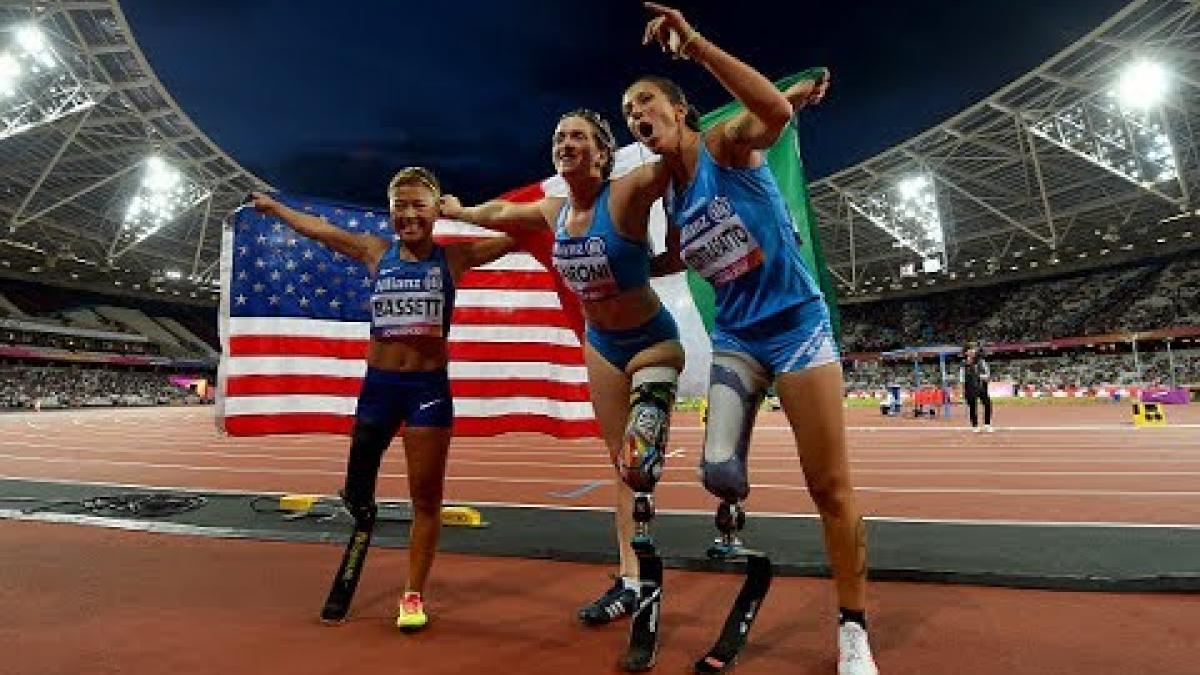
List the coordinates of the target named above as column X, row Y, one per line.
column 640, row 462
column 736, row 389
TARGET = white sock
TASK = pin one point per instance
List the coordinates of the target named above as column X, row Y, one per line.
column 630, row 583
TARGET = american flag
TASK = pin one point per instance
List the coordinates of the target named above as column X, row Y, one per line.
column 295, row 327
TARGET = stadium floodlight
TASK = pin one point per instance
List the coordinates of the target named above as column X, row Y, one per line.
column 36, row 86
column 1122, row 129
column 914, row 209
column 908, row 211
column 911, row 188
column 164, row 193
column 33, row 43
column 173, row 275
column 1142, row 85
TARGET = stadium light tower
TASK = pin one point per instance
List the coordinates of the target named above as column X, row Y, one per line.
column 36, row 86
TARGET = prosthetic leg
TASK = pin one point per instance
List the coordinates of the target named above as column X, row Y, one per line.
column 736, row 390
column 337, row 605
column 358, row 497
column 641, row 465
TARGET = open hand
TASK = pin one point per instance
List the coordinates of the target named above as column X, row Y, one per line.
column 669, row 28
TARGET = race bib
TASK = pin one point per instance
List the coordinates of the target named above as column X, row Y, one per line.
column 406, row 307
column 718, row 245
column 583, row 264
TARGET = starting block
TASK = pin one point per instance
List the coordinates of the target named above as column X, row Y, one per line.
column 1149, row 415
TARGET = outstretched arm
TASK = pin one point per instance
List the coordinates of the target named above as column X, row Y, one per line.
column 767, row 109
column 502, row 216
column 362, row 247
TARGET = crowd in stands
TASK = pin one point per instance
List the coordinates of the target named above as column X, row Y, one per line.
column 71, row 348
column 27, row 386
column 1082, row 370
column 1159, row 294
column 1043, row 372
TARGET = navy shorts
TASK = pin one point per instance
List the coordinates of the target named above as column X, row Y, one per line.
column 419, row 399
column 618, row 347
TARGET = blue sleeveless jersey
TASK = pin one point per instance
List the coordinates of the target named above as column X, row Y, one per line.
column 601, row 263
column 412, row 298
column 736, row 232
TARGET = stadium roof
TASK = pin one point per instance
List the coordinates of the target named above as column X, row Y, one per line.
column 1069, row 166
column 81, row 199
column 1088, row 159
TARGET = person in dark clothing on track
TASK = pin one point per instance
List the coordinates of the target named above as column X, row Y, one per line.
column 974, row 375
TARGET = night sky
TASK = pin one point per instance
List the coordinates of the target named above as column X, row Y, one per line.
column 330, row 98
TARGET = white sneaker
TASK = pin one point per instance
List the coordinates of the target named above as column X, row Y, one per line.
column 976, row 429
column 854, row 652
column 988, row 428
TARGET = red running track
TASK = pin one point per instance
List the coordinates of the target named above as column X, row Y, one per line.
column 142, row 603
column 146, row 603
column 1059, row 463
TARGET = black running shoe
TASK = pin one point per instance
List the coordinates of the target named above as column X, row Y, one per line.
column 616, row 602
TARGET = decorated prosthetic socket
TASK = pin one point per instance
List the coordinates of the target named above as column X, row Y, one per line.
column 650, row 402
column 736, row 389
column 641, row 460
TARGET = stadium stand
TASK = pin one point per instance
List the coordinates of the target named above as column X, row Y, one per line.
column 1149, row 296
column 64, row 348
